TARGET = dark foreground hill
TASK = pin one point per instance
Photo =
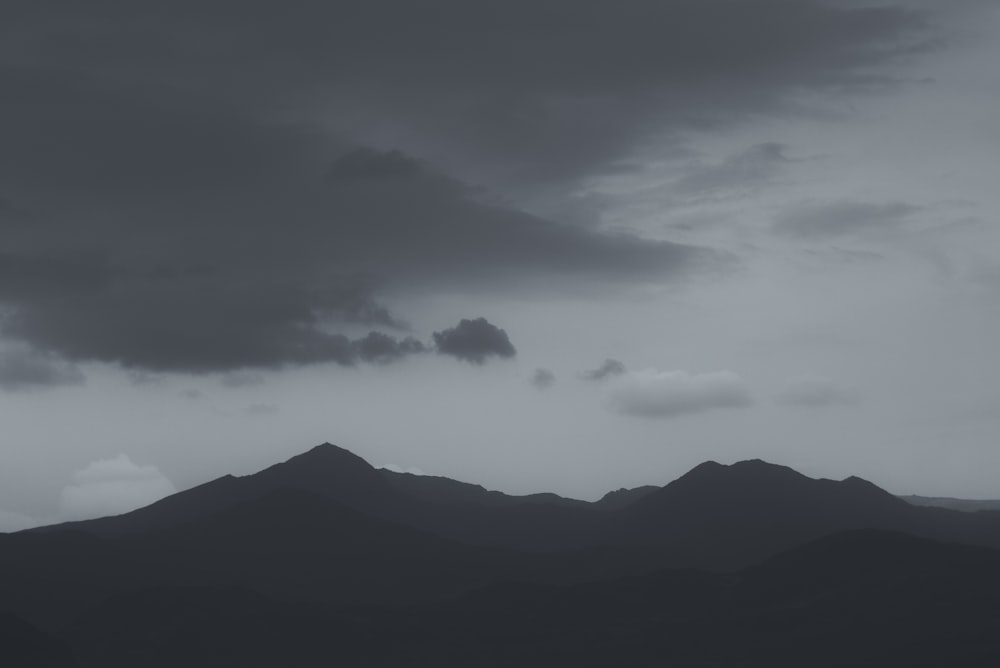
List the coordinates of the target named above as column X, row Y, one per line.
column 866, row 598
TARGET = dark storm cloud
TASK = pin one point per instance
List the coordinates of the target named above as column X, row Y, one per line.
column 543, row 379
column 260, row 291
column 192, row 187
column 532, row 89
column 247, row 261
column 608, row 369
column 364, row 164
column 836, row 219
column 27, row 370
column 380, row 347
column 474, row 341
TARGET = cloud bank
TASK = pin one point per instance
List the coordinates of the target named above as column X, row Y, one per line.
column 661, row 394
column 173, row 204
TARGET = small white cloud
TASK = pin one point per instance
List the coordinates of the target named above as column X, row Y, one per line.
column 816, row 391
column 654, row 393
column 10, row 522
column 111, row 487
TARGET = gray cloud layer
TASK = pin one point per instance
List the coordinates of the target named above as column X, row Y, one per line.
column 543, row 379
column 609, row 369
column 836, row 219
column 193, row 187
column 661, row 394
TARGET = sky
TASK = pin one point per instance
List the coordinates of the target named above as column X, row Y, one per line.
column 545, row 245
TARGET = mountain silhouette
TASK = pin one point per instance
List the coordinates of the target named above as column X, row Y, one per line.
column 445, row 491
column 324, row 558
column 460, row 511
column 326, row 470
column 730, row 516
column 714, row 516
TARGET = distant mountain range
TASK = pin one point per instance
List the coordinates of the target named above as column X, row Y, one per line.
column 324, row 559
column 965, row 505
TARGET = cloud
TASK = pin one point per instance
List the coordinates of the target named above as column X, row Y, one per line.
column 474, row 341
column 836, row 219
column 272, row 281
column 367, row 164
column 610, row 368
column 31, row 370
column 815, row 391
column 382, row 348
column 194, row 208
column 753, row 167
column 10, row 522
column 111, row 487
column 587, row 80
column 543, row 379
column 653, row 393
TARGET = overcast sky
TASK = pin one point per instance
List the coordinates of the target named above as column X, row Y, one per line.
column 562, row 245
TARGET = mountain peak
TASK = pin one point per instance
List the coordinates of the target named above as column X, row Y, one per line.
column 327, row 454
column 745, row 469
column 330, row 471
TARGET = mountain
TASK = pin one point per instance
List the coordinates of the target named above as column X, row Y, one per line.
column 463, row 512
column 325, row 470
column 324, row 558
column 445, row 491
column 286, row 542
column 714, row 516
column 729, row 516
column 620, row 498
